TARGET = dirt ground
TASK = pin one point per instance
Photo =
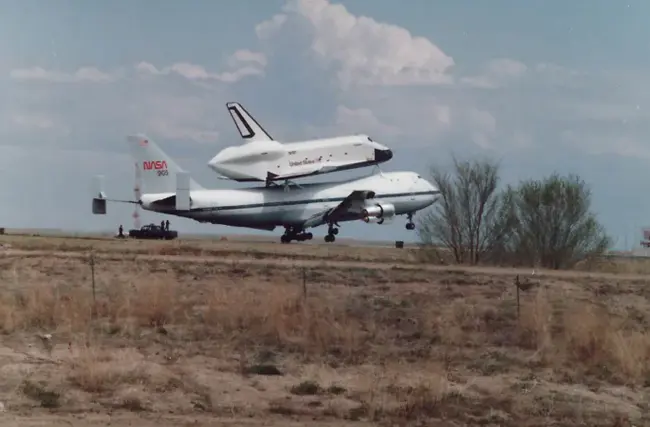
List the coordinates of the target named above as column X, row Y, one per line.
column 221, row 333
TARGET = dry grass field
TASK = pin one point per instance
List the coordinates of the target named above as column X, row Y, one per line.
column 227, row 333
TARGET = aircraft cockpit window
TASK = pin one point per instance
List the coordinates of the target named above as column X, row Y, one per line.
column 370, row 139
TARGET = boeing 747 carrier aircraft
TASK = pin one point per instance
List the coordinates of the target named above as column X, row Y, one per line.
column 375, row 199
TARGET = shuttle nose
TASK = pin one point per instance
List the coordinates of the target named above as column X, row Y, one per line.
column 220, row 158
column 383, row 155
column 213, row 162
column 216, row 164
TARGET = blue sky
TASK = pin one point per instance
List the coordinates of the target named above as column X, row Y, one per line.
column 542, row 86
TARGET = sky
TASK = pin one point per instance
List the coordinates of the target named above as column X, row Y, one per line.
column 541, row 87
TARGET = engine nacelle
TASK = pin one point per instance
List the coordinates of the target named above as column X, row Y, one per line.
column 375, row 220
column 386, row 210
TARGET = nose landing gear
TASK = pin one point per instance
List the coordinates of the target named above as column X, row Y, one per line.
column 410, row 225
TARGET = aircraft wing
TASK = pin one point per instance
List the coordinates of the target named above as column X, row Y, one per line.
column 350, row 206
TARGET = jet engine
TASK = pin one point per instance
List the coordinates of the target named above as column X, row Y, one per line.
column 375, row 220
column 379, row 211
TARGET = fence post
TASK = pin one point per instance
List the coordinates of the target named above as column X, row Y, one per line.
column 517, row 285
column 92, row 275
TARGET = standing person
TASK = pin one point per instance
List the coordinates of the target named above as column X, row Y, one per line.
column 121, row 231
column 162, row 225
column 167, row 225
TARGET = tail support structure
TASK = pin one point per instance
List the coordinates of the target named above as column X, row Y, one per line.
column 99, row 197
column 182, row 191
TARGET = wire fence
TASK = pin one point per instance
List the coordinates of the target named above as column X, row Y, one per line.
column 305, row 277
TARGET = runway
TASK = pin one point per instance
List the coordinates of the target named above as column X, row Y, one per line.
column 258, row 238
column 249, row 238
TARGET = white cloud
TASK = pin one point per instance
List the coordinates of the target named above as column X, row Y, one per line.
column 497, row 73
column 165, row 109
column 198, row 72
column 178, row 109
column 557, row 73
column 245, row 55
column 362, row 120
column 30, row 123
column 364, row 51
column 146, row 67
column 242, row 63
column 186, row 118
column 83, row 74
column 506, row 67
column 266, row 30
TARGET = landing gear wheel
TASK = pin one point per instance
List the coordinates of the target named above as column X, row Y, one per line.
column 285, row 239
column 410, row 225
column 331, row 232
column 309, row 236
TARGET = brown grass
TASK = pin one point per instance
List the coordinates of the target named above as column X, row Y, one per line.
column 396, row 347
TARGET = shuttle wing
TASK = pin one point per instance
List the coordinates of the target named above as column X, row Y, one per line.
column 351, row 205
column 303, row 171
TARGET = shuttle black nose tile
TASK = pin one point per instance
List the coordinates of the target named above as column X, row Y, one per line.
column 383, row 155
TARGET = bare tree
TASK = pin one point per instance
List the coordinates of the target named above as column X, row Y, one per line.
column 551, row 223
column 467, row 218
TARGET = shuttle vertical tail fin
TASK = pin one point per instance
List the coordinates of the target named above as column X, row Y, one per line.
column 158, row 170
column 247, row 126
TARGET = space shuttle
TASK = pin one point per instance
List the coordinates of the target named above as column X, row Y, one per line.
column 262, row 158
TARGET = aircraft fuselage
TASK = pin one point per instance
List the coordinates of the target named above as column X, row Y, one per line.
column 269, row 207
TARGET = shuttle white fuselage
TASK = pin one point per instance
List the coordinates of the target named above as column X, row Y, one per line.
column 265, row 159
column 271, row 160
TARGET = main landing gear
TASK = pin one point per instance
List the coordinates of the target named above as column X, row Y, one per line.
column 410, row 225
column 292, row 233
column 331, row 232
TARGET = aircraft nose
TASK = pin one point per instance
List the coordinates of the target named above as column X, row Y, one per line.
column 383, row 155
column 435, row 190
column 426, row 185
